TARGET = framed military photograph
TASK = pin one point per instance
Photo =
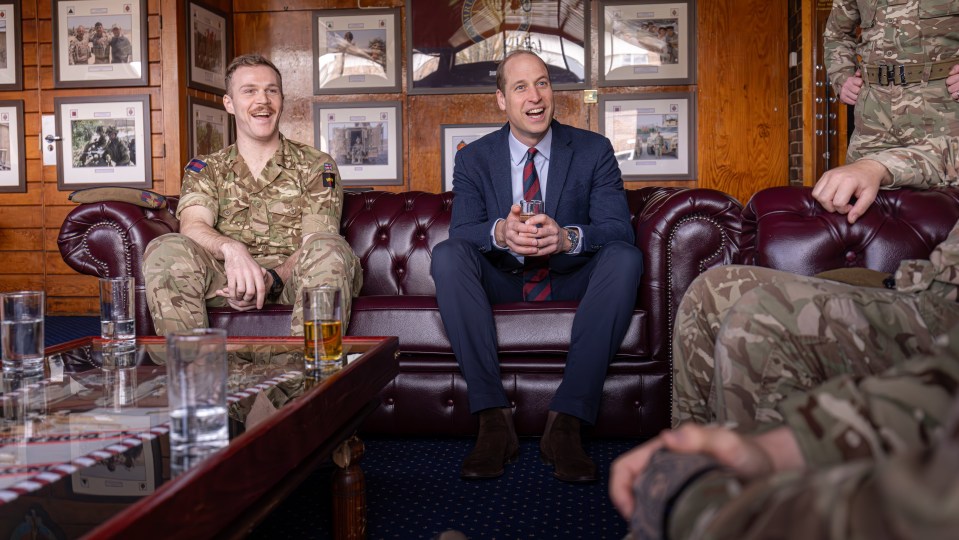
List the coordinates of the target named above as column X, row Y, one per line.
column 13, row 174
column 454, row 138
column 364, row 140
column 454, row 47
column 208, row 47
column 647, row 42
column 356, row 50
column 99, row 43
column 653, row 135
column 11, row 48
column 210, row 128
column 104, row 141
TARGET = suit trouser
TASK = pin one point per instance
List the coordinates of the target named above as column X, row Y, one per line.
column 467, row 284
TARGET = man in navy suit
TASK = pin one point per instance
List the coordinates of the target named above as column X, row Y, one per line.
column 581, row 249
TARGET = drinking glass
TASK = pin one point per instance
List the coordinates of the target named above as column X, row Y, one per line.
column 528, row 209
column 322, row 327
column 117, row 308
column 196, row 372
column 21, row 319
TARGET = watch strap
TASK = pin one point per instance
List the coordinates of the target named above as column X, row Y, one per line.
column 277, row 286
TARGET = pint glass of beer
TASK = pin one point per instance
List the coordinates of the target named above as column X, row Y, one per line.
column 322, row 327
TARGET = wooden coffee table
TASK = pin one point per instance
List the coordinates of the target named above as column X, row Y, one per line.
column 85, row 451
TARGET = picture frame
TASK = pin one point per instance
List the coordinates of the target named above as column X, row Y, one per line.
column 453, row 138
column 364, row 139
column 455, row 48
column 112, row 50
column 209, row 47
column 13, row 171
column 11, row 56
column 210, row 128
column 356, row 50
column 653, row 135
column 88, row 155
column 647, row 42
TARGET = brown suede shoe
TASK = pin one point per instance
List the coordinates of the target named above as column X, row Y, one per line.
column 562, row 448
column 496, row 445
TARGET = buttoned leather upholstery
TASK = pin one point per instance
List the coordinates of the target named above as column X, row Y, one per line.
column 681, row 233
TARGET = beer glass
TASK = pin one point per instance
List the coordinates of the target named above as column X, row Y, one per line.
column 322, row 327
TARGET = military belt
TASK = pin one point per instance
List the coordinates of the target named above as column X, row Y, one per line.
column 902, row 74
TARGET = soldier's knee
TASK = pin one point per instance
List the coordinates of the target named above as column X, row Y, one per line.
column 327, row 253
column 162, row 252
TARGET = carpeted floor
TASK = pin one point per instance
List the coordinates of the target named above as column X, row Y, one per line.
column 414, row 492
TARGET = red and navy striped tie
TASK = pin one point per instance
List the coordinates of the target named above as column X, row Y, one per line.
column 536, row 286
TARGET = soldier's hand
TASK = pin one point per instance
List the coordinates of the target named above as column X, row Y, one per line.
column 624, row 471
column 748, row 456
column 860, row 179
column 849, row 93
column 952, row 82
column 245, row 278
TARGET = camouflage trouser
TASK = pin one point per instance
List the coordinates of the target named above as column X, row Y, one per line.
column 896, row 116
column 182, row 279
column 908, row 489
column 747, row 337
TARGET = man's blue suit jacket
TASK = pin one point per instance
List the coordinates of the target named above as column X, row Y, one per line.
column 584, row 189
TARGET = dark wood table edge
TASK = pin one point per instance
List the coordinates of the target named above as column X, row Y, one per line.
column 117, row 526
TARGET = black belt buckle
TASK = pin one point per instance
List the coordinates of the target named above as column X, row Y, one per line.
column 880, row 72
column 890, row 74
column 902, row 74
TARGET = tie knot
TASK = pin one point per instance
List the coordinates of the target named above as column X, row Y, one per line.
column 530, row 153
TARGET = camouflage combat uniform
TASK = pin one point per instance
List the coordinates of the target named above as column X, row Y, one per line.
column 100, row 47
column 883, row 462
column 894, row 32
column 747, row 337
column 79, row 51
column 298, row 193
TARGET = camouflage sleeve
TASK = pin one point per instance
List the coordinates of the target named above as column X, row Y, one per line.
column 850, row 418
column 324, row 197
column 932, row 162
column 198, row 188
column 839, row 42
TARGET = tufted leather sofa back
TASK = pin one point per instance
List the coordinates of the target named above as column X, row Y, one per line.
column 786, row 229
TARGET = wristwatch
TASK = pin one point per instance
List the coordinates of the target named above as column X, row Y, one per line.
column 277, row 286
column 573, row 236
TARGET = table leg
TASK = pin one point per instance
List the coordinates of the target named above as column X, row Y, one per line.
column 349, row 491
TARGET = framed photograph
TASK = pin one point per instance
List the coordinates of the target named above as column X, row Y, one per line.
column 210, row 128
column 356, row 50
column 104, row 141
column 653, row 135
column 455, row 46
column 13, row 174
column 647, row 42
column 454, row 137
column 99, row 43
column 364, row 140
column 208, row 48
column 11, row 48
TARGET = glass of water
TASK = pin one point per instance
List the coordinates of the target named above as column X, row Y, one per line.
column 21, row 317
column 196, row 373
column 117, row 305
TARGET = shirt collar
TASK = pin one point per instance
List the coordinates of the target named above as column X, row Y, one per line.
column 517, row 150
column 282, row 157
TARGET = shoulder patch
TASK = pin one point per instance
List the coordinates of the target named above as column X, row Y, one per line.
column 328, row 167
column 195, row 165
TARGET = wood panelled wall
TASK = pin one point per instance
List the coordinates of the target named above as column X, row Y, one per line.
column 741, row 91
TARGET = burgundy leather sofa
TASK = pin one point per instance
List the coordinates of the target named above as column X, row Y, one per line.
column 681, row 233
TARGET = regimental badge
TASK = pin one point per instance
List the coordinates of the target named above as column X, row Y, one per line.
column 329, row 180
column 195, row 165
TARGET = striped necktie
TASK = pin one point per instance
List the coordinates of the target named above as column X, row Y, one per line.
column 536, row 285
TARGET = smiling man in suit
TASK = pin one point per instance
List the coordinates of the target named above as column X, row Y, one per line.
column 581, row 249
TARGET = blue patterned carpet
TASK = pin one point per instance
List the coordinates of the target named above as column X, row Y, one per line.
column 414, row 491
column 58, row 330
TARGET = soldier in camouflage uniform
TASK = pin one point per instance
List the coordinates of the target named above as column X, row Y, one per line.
column 905, row 87
column 760, row 334
column 100, row 45
column 259, row 220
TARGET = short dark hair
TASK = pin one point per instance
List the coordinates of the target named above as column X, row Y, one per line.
column 501, row 68
column 250, row 60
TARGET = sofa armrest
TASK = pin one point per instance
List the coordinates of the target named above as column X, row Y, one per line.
column 682, row 233
column 786, row 229
column 107, row 239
